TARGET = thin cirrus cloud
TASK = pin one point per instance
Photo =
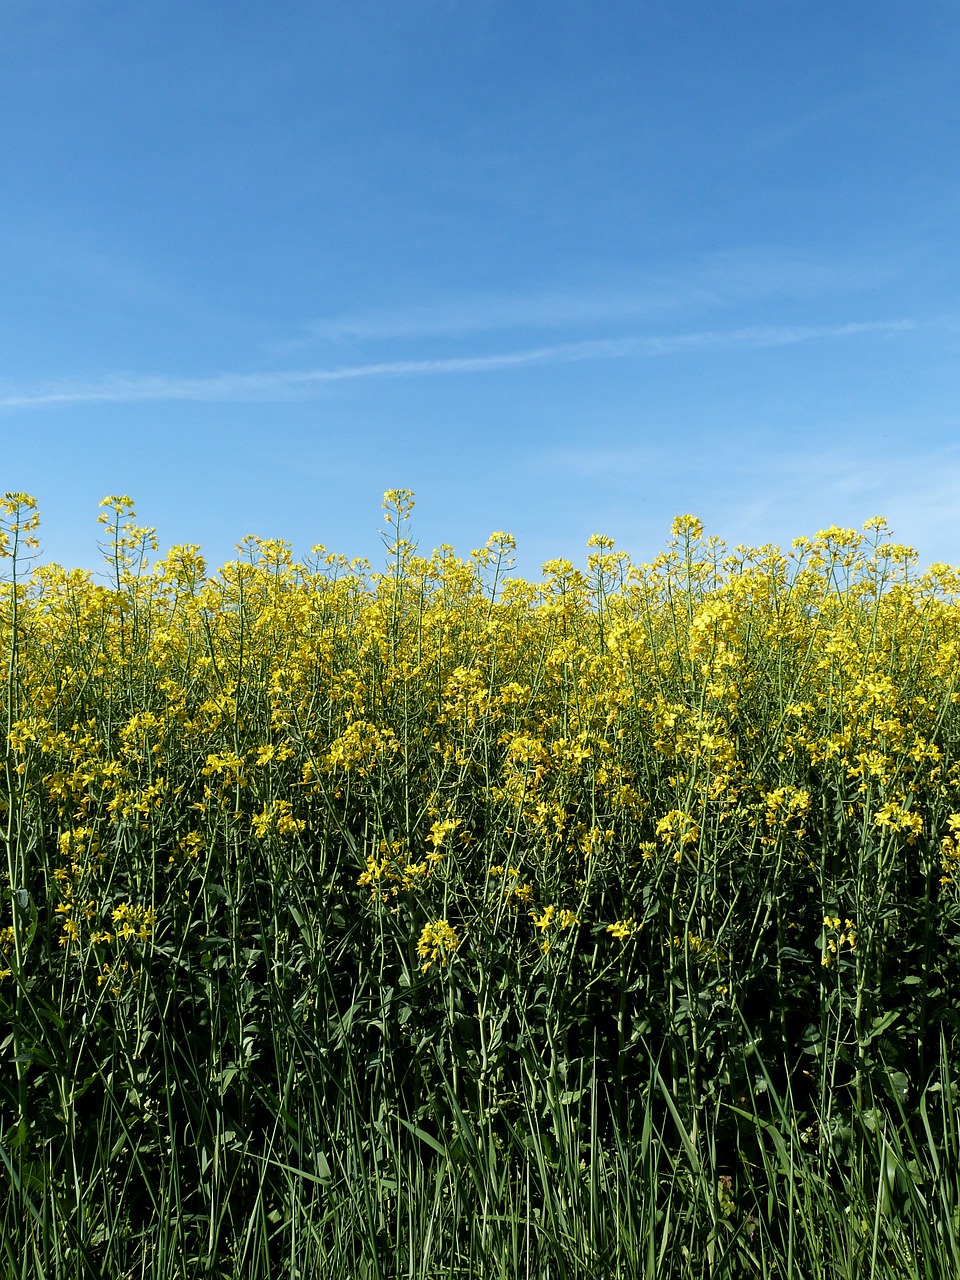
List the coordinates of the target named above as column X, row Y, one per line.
column 778, row 495
column 760, row 498
column 722, row 280
column 918, row 494
column 299, row 383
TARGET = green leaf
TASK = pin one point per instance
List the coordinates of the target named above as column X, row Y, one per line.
column 880, row 1025
column 422, row 1135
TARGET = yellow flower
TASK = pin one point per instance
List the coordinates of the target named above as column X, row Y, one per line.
column 438, row 941
column 678, row 826
column 545, row 920
column 70, row 932
column 623, row 929
column 441, row 830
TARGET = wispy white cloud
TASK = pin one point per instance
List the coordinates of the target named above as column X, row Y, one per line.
column 917, row 492
column 779, row 493
column 719, row 281
column 297, row 383
column 492, row 313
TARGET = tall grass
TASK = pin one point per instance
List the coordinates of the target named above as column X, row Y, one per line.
column 432, row 923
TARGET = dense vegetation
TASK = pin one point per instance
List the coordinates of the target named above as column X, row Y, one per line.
column 434, row 923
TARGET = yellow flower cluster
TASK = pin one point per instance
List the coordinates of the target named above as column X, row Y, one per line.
column 514, row 891
column 277, row 817
column 950, row 850
column 395, row 870
column 133, row 921
column 438, row 941
column 7, row 943
column 835, row 938
column 701, row 948
column 550, row 921
column 624, row 929
column 476, row 748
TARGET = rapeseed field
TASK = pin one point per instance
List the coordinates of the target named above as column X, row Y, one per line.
column 424, row 921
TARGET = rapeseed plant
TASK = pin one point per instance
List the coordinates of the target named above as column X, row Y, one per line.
column 655, row 825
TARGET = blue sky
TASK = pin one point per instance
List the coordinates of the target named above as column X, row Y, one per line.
column 560, row 267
